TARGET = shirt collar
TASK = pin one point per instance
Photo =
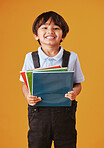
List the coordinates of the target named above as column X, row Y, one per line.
column 43, row 56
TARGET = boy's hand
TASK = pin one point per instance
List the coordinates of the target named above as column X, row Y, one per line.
column 71, row 95
column 76, row 90
column 32, row 100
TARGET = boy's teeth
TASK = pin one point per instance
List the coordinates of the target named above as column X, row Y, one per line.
column 50, row 37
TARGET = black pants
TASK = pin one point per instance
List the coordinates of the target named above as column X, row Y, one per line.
column 52, row 123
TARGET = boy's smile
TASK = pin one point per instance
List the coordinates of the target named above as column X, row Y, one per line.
column 49, row 34
column 50, row 37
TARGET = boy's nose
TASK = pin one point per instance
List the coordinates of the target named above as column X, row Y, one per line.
column 50, row 31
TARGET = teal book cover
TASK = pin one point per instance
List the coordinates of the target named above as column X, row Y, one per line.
column 29, row 75
column 52, row 87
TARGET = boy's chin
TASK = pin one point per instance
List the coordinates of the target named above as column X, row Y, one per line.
column 51, row 44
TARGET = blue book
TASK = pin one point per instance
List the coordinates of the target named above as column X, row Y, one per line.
column 52, row 87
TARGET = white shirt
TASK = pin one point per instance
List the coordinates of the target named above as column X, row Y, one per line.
column 45, row 61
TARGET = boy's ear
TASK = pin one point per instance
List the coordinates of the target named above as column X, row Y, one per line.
column 62, row 39
column 36, row 37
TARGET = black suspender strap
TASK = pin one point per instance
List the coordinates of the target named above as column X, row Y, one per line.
column 35, row 58
column 65, row 59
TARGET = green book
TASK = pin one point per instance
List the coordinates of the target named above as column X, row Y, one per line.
column 29, row 75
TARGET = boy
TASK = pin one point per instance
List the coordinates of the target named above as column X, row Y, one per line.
column 52, row 123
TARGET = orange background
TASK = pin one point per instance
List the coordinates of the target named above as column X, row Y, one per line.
column 86, row 37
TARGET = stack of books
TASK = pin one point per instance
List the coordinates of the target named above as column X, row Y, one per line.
column 49, row 83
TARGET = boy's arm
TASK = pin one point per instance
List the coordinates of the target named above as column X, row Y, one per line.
column 32, row 100
column 76, row 90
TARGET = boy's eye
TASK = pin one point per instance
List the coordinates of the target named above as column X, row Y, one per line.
column 56, row 28
column 44, row 27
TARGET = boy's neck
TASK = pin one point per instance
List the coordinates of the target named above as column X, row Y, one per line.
column 50, row 50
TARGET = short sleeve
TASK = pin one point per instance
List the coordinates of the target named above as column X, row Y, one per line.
column 78, row 75
column 28, row 64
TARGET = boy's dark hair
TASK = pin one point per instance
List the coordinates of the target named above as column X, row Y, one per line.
column 56, row 18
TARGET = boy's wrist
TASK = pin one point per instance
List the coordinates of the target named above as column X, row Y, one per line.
column 26, row 95
column 75, row 92
column 77, row 88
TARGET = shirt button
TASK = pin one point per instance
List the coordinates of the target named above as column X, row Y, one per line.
column 35, row 109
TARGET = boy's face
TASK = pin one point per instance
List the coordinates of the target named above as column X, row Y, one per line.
column 49, row 34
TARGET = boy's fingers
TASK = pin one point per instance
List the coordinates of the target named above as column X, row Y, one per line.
column 31, row 96
column 32, row 104
column 66, row 95
column 32, row 100
column 70, row 95
column 35, row 100
column 38, row 99
column 70, row 92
